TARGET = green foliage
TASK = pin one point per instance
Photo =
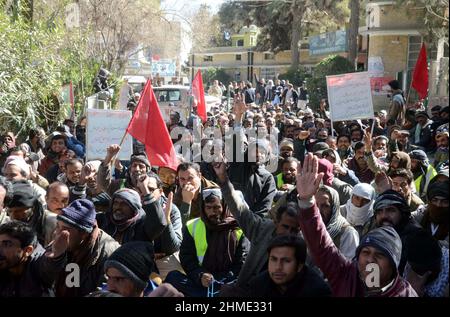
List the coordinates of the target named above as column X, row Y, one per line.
column 211, row 74
column 295, row 76
column 317, row 85
column 36, row 60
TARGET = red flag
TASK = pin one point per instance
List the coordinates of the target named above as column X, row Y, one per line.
column 420, row 76
column 148, row 127
column 199, row 94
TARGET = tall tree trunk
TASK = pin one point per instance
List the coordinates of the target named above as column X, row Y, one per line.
column 296, row 32
column 353, row 31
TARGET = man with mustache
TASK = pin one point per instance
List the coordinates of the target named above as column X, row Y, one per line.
column 286, row 179
column 359, row 165
column 391, row 209
column 26, row 270
column 129, row 220
column 287, row 274
column 380, row 248
column 213, row 249
column 139, row 166
column 57, row 197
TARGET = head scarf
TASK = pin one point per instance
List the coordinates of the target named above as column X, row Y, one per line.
column 358, row 216
column 405, row 160
column 334, row 226
column 326, row 167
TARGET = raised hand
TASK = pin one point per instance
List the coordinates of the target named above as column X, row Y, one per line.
column 111, row 151
column 383, row 182
column 367, row 141
column 308, row 180
column 188, row 193
column 60, row 244
column 220, row 168
column 142, row 184
column 168, row 208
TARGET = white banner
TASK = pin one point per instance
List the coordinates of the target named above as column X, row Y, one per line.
column 106, row 127
column 350, row 97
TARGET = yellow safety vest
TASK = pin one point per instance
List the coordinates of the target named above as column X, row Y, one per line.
column 431, row 173
column 280, row 181
column 197, row 230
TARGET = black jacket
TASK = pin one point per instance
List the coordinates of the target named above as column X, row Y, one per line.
column 256, row 184
column 192, row 267
column 36, row 280
column 306, row 283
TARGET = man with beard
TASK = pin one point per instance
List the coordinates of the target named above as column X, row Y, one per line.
column 139, row 165
column 168, row 177
column 344, row 147
column 358, row 164
column 349, row 278
column 25, row 206
column 286, row 179
column 26, row 270
column 129, row 220
column 434, row 217
column 441, row 155
column 423, row 172
column 213, row 249
column 391, row 209
column 35, row 144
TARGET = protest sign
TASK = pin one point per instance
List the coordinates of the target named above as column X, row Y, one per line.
column 106, row 127
column 349, row 96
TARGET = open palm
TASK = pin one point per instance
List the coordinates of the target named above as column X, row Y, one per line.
column 308, row 180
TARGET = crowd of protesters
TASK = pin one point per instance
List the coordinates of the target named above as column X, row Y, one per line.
column 350, row 209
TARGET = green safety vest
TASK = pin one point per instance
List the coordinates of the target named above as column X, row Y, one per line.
column 431, row 173
column 280, row 181
column 197, row 230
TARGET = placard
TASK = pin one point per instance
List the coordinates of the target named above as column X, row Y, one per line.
column 350, row 97
column 104, row 128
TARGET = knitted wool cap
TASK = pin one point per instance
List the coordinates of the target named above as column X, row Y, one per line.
column 385, row 239
column 135, row 260
column 79, row 214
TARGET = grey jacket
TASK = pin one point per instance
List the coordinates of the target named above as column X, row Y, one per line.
column 170, row 239
column 259, row 231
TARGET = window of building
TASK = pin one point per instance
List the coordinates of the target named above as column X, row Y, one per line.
column 269, row 56
column 207, row 58
column 238, row 57
column 240, row 43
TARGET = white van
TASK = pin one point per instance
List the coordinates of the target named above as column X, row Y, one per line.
column 173, row 98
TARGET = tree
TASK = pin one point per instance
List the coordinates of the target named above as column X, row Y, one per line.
column 317, row 85
column 435, row 17
column 282, row 22
column 353, row 31
column 212, row 73
column 296, row 76
column 205, row 28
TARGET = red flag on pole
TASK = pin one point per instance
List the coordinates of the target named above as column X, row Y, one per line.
column 148, row 127
column 199, row 94
column 420, row 76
